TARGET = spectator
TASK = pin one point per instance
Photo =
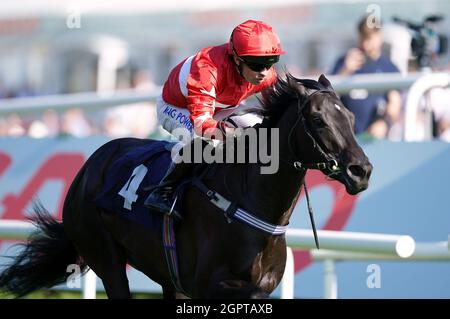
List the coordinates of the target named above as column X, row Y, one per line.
column 375, row 113
column 14, row 126
column 47, row 126
column 138, row 119
column 75, row 123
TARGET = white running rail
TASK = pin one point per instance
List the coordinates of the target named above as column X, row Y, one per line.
column 417, row 84
column 335, row 246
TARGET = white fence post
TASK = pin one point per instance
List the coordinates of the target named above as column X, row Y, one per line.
column 287, row 283
column 330, row 279
column 417, row 90
column 90, row 285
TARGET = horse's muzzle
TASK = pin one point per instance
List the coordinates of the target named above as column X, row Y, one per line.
column 357, row 177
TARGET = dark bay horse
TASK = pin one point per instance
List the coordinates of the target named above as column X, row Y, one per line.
column 217, row 259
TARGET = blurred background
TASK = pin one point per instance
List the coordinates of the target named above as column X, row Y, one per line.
column 62, row 47
column 74, row 74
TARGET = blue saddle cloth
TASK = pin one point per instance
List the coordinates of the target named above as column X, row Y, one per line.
column 129, row 176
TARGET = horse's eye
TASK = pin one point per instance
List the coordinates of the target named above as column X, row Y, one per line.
column 318, row 121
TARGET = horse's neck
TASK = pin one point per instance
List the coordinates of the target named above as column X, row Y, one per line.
column 274, row 195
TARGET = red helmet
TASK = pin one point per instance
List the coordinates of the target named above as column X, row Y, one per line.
column 254, row 38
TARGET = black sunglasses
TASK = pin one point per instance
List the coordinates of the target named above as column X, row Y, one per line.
column 256, row 67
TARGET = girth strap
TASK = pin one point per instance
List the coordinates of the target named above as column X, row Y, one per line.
column 233, row 212
column 170, row 251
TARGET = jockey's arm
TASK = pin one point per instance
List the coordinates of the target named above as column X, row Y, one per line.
column 205, row 125
column 201, row 99
column 201, row 108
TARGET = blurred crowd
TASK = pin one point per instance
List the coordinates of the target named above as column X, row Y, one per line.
column 381, row 115
column 377, row 115
column 137, row 120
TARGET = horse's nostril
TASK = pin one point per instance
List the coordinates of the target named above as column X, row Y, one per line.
column 357, row 171
column 369, row 172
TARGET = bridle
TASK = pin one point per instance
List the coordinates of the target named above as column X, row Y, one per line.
column 329, row 164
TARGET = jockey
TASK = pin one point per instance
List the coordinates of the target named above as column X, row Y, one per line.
column 210, row 85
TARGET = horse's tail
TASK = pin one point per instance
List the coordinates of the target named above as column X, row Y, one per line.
column 44, row 260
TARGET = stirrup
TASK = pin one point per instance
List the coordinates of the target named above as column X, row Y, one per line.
column 172, row 211
column 154, row 187
column 166, row 206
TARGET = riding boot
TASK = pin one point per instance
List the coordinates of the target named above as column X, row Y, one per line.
column 161, row 198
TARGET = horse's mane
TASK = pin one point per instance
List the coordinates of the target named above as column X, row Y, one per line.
column 277, row 98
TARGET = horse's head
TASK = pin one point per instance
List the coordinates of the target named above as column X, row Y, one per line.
column 320, row 130
column 329, row 128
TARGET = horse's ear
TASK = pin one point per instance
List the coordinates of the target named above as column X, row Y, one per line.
column 290, row 79
column 294, row 83
column 325, row 82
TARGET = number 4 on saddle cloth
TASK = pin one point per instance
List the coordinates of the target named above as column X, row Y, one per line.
column 130, row 179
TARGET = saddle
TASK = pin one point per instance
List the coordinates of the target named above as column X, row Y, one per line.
column 131, row 178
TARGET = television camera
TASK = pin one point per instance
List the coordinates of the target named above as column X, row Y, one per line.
column 426, row 43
